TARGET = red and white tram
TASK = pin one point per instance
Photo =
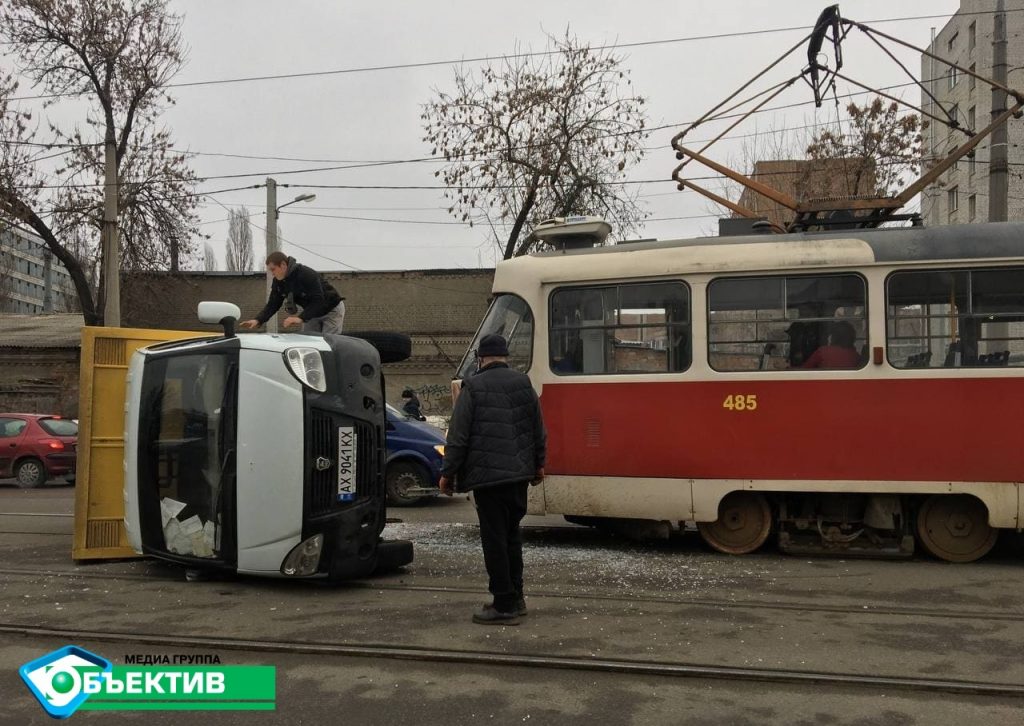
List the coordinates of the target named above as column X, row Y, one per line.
column 851, row 390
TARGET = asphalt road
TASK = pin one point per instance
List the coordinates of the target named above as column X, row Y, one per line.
column 750, row 640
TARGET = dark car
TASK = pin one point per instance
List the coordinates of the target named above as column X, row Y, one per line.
column 35, row 448
column 415, row 452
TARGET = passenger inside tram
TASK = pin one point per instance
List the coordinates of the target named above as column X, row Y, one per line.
column 841, row 351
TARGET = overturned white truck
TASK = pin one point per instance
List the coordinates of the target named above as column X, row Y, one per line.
column 260, row 454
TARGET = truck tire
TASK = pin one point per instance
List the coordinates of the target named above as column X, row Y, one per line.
column 393, row 347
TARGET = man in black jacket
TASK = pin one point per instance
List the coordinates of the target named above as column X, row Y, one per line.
column 496, row 446
column 323, row 309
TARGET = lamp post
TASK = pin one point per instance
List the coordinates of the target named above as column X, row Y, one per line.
column 272, row 245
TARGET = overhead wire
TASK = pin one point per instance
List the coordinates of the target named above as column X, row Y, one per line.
column 364, row 164
column 528, row 54
column 391, row 162
column 350, row 266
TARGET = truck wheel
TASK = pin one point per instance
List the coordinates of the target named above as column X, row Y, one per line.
column 393, row 347
column 30, row 473
column 402, row 476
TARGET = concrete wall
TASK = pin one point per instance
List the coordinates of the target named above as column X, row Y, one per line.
column 39, row 380
column 439, row 309
column 420, row 301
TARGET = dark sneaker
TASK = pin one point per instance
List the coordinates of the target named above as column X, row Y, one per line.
column 521, row 610
column 487, row 615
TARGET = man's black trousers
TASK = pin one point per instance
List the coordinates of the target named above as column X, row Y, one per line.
column 500, row 509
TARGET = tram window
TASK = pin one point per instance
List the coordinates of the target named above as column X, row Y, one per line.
column 781, row 322
column 956, row 318
column 638, row 328
column 510, row 317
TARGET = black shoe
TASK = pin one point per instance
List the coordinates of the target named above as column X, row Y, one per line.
column 487, row 615
column 521, row 610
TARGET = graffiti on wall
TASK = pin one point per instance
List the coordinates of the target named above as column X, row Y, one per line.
column 435, row 399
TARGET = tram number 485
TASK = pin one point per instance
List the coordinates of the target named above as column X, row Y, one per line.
column 740, row 402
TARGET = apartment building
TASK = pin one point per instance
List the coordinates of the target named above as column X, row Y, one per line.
column 32, row 281
column 961, row 195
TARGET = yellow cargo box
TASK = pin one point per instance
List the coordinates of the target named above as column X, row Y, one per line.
column 99, row 497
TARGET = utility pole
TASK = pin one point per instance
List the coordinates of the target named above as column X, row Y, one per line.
column 998, row 168
column 109, row 238
column 47, row 280
column 930, row 154
column 271, row 240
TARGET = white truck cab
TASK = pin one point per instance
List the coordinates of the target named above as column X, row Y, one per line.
column 260, row 454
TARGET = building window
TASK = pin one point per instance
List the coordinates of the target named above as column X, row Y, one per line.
column 972, row 32
column 953, row 199
column 954, row 118
column 972, row 81
column 972, row 207
column 952, row 76
column 952, row 42
column 781, row 322
column 972, row 118
column 970, row 163
column 955, row 318
column 643, row 328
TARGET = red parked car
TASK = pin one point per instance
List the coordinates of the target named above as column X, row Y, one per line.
column 35, row 448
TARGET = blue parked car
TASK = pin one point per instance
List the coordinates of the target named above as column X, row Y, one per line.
column 415, row 452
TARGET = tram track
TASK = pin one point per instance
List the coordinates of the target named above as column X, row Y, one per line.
column 713, row 603
column 653, row 668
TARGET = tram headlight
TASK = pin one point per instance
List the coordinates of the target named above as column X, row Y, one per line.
column 307, row 365
column 304, row 559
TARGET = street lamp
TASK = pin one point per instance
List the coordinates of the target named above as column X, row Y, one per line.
column 300, row 198
column 272, row 216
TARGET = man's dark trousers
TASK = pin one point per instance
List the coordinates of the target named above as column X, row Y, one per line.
column 500, row 509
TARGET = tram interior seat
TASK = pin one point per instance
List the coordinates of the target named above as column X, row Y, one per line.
column 920, row 360
column 987, row 360
column 999, row 358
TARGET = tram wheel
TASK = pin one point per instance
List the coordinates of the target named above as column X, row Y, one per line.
column 744, row 521
column 955, row 528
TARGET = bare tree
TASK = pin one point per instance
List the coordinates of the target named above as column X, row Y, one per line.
column 209, row 258
column 877, row 154
column 156, row 210
column 21, row 188
column 119, row 55
column 240, row 256
column 538, row 136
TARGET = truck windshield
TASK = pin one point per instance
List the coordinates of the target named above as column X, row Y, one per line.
column 187, row 453
column 510, row 317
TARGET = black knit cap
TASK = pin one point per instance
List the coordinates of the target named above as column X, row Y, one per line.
column 492, row 346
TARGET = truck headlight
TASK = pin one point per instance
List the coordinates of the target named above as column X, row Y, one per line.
column 307, row 365
column 439, row 449
column 304, row 559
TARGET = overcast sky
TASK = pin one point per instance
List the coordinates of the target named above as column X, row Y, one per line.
column 375, row 115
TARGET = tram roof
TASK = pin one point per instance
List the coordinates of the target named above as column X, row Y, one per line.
column 846, row 248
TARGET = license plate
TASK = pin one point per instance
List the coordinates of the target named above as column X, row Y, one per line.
column 346, row 464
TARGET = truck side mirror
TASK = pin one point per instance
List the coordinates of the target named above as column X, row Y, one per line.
column 220, row 313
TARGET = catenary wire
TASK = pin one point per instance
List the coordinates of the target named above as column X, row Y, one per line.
column 484, row 59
